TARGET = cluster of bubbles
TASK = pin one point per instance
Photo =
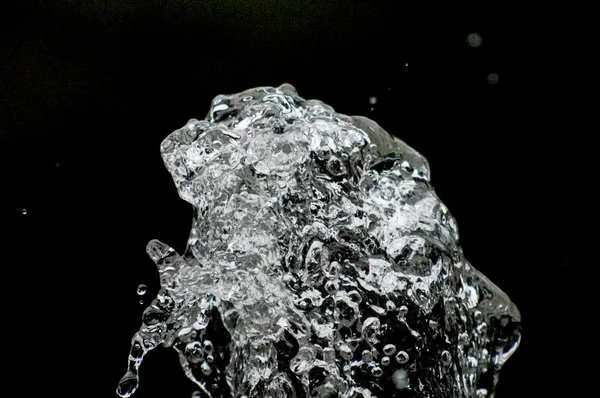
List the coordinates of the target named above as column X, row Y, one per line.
column 320, row 264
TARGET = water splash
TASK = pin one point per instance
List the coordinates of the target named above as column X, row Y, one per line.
column 320, row 263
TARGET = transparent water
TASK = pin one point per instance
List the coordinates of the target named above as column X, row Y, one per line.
column 320, row 263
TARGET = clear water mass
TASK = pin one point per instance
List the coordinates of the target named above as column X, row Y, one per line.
column 320, row 264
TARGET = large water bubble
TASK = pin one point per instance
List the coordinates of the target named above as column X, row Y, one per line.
column 320, row 264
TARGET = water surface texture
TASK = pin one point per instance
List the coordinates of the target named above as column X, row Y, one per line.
column 320, row 264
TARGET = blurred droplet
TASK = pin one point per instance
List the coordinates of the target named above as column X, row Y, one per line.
column 24, row 211
column 492, row 78
column 474, row 40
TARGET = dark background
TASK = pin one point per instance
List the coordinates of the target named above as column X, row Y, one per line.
column 89, row 88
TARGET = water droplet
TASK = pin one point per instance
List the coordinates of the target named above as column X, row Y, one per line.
column 446, row 357
column 24, row 211
column 493, row 78
column 377, row 371
column 474, row 40
column 370, row 328
column 385, row 361
column 403, row 310
column 193, row 352
column 210, row 358
column 127, row 385
column 141, row 290
column 389, row 349
column 196, row 394
column 372, row 100
column 208, row 346
column 205, row 368
column 402, row 357
column 390, row 306
column 141, row 302
column 400, row 379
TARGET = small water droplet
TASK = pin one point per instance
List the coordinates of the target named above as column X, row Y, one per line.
column 402, row 357
column 141, row 302
column 206, row 369
column 24, row 211
column 389, row 349
column 208, row 346
column 141, row 290
column 390, row 306
column 385, row 361
column 446, row 357
column 372, row 100
column 377, row 371
column 193, row 352
column 196, row 394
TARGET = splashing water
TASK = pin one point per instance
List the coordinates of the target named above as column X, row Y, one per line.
column 320, row 263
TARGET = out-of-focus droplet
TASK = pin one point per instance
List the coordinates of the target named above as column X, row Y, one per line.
column 141, row 302
column 492, row 78
column 196, row 394
column 385, row 361
column 205, row 368
column 141, row 290
column 400, row 379
column 474, row 40
column 24, row 211
column 373, row 100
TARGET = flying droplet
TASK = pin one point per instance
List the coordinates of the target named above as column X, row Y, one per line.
column 141, row 290
column 474, row 40
column 24, row 211
column 400, row 379
column 372, row 100
column 141, row 302
column 377, row 371
column 402, row 357
column 205, row 368
column 389, row 349
column 492, row 78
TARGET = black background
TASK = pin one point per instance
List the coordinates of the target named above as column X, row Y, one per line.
column 88, row 90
